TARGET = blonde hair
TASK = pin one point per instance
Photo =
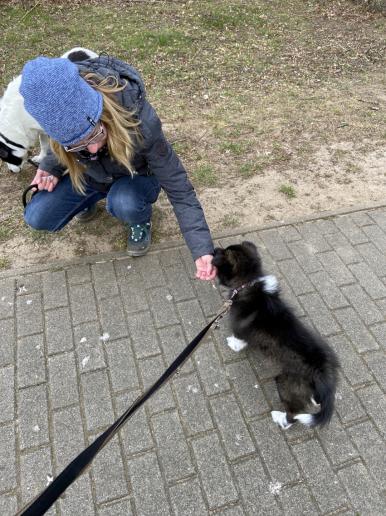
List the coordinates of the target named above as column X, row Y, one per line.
column 121, row 127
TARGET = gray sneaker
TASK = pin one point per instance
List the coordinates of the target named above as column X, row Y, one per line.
column 87, row 214
column 139, row 239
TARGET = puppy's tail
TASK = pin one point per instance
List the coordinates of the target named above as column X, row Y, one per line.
column 324, row 395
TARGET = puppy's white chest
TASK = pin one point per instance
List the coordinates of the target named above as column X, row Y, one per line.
column 236, row 344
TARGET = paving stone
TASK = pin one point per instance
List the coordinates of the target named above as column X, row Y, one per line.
column 374, row 257
column 336, row 442
column 68, row 436
column 151, row 271
column 379, row 216
column 275, row 451
column 173, row 342
column 79, row 274
column 7, row 403
column 320, row 476
column 348, row 227
column 8, row 504
column 336, row 268
column 297, row 500
column 178, row 282
column 105, row 282
column 356, row 330
column 254, row 487
column 289, row 297
column 148, row 487
column 379, row 330
column 63, row 380
column 236, row 510
column 58, row 331
column 130, row 286
column 7, row 298
column 295, row 277
column 162, row 307
column 353, row 366
column 372, row 450
column 362, row 303
column 234, row 432
column 304, row 253
column 187, row 499
column 30, row 361
column 83, row 307
column 215, row 476
column 144, row 337
column 112, row 317
column 78, row 498
column 97, row 400
column 8, row 478
column 108, row 473
column 377, row 236
column 122, row 508
column 347, row 404
column 89, row 347
column 32, row 413
column 135, row 434
column 121, row 365
column 247, row 388
column 368, row 280
column 7, row 343
column 320, row 315
column 289, row 233
column 331, row 295
column 210, row 369
column 193, row 320
column 313, row 235
column 35, row 470
column 344, row 249
column 192, row 404
column 374, row 401
column 29, row 284
column 362, row 491
column 328, row 226
column 29, row 315
column 172, row 448
column 360, row 218
column 150, row 370
column 275, row 244
column 54, row 290
column 377, row 363
column 209, row 296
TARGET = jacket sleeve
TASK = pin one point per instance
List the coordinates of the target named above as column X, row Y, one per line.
column 164, row 163
column 51, row 164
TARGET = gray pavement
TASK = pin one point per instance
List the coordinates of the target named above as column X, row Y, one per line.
column 80, row 341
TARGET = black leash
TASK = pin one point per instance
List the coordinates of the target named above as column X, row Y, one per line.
column 53, row 491
column 26, row 192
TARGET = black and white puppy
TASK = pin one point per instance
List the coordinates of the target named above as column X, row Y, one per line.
column 259, row 317
column 18, row 130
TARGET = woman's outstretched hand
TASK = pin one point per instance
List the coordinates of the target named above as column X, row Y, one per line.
column 44, row 180
column 204, row 268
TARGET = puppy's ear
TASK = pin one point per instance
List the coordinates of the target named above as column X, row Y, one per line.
column 250, row 246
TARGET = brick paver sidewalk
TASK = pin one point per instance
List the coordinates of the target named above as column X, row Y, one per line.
column 79, row 342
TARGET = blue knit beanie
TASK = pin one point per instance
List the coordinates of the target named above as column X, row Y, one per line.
column 59, row 99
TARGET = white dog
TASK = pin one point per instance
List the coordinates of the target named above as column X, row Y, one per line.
column 18, row 130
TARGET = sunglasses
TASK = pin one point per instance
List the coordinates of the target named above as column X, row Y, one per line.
column 98, row 136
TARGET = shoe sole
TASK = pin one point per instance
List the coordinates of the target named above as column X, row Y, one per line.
column 140, row 252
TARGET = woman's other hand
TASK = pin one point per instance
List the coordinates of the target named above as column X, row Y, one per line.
column 204, row 268
column 44, row 180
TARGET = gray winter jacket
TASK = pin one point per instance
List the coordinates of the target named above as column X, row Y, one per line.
column 154, row 156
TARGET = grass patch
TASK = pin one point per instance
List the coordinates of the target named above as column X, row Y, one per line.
column 288, row 191
column 5, row 263
column 204, row 175
column 251, row 168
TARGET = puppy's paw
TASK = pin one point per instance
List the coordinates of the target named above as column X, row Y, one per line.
column 37, row 159
column 280, row 418
column 236, row 344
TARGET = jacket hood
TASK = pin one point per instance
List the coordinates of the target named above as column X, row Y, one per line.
column 133, row 95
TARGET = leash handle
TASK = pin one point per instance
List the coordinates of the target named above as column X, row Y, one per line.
column 26, row 191
column 72, row 471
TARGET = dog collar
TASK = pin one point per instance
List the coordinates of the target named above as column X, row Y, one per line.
column 271, row 285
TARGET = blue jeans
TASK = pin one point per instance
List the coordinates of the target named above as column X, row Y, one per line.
column 129, row 200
